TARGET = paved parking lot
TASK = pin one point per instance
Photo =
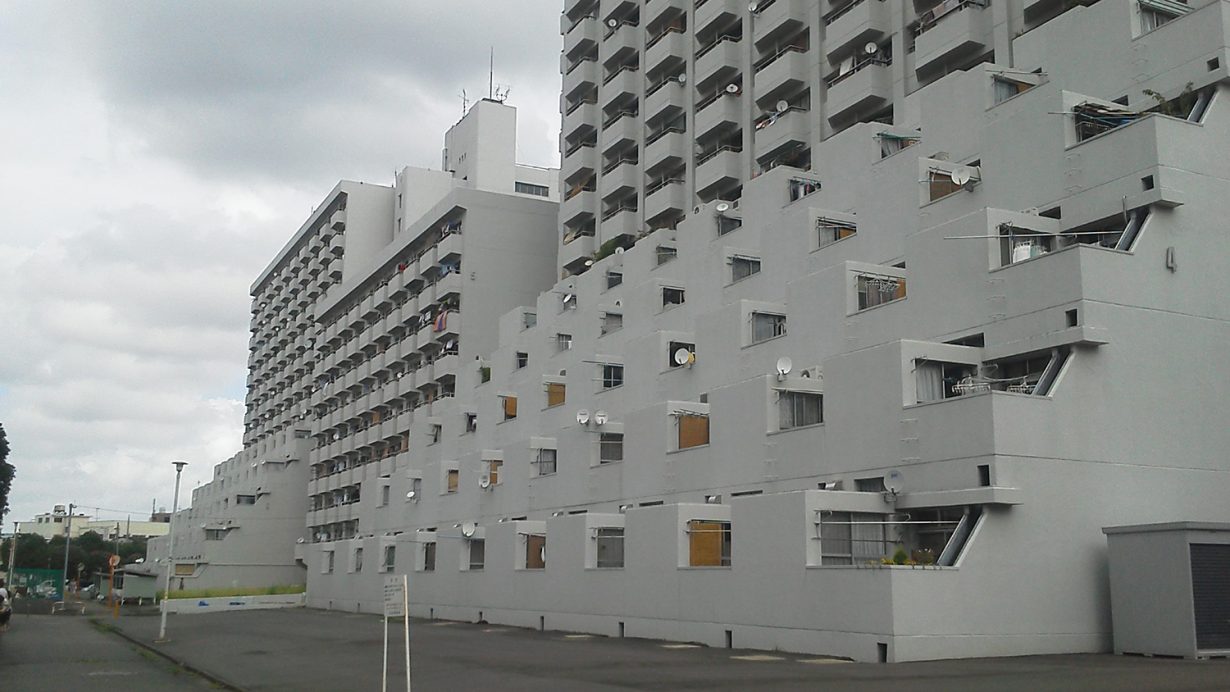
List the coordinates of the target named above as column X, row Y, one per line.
column 304, row 650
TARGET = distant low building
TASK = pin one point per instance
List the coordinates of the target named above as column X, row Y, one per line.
column 53, row 524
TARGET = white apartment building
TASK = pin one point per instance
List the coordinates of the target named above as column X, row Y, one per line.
column 860, row 363
column 358, row 329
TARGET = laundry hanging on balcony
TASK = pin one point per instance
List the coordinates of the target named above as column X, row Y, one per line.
column 441, row 321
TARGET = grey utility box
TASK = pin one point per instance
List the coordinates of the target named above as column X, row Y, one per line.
column 1170, row 588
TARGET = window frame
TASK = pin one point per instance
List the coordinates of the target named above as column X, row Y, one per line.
column 776, row 323
column 699, row 539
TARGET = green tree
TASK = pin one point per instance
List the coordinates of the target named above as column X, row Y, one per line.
column 7, row 471
column 32, row 550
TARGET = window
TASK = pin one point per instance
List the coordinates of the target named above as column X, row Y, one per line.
column 708, row 543
column 665, row 253
column 529, row 319
column 611, row 322
column 610, row 548
column 531, row 189
column 767, row 326
column 563, row 342
column 510, row 407
column 384, row 495
column 520, row 360
column 390, row 555
column 245, row 499
column 935, row 380
column 436, row 431
column 1154, row 13
column 478, row 553
column 693, row 430
column 535, row 551
column 671, row 296
column 940, row 184
column 829, row 231
column 429, row 556
column 358, row 560
column 493, row 470
column 743, row 267
column 215, row 534
column 471, row 422
column 614, row 278
column 568, row 301
column 797, row 409
column 848, row 538
column 452, row 480
column 326, row 562
column 802, row 187
column 610, row 448
column 726, row 224
column 878, row 290
column 673, row 348
column 612, row 375
column 544, row 462
column 1007, row 88
column 556, row 393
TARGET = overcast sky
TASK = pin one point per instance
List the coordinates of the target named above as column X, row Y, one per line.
column 155, row 157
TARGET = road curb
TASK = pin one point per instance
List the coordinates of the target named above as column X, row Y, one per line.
column 221, row 682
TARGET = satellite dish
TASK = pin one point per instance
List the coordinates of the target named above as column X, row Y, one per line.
column 468, row 528
column 783, row 106
column 753, row 6
column 894, row 482
column 722, row 207
column 600, row 417
column 589, row 262
column 484, row 482
column 619, row 251
column 732, row 88
column 682, row 78
column 871, row 49
column 961, row 175
column 301, row 540
column 569, row 297
column 583, row 416
column 784, row 364
column 612, row 22
column 682, row 356
column 411, row 495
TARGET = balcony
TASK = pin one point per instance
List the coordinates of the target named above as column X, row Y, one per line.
column 780, row 18
column 781, row 74
column 448, row 250
column 621, row 181
column 619, row 87
column 666, row 149
column 446, row 368
column 579, row 79
column 656, row 11
column 718, row 170
column 580, row 118
column 865, row 89
column 666, row 199
column 582, row 37
column 719, row 115
column 618, row 222
column 956, row 35
column 664, row 101
column 718, row 64
column 580, row 163
column 574, row 254
column 784, row 132
column 666, row 50
column 618, row 44
column 716, row 14
column 620, row 135
column 578, row 206
column 854, row 24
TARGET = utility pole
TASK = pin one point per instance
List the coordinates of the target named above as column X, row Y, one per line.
column 162, row 627
column 68, row 539
column 12, row 558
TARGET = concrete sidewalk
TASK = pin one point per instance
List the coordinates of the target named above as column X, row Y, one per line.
column 304, row 650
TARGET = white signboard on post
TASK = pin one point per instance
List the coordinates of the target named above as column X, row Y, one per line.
column 395, row 596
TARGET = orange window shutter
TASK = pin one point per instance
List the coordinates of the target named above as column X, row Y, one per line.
column 453, row 477
column 555, row 394
column 494, row 472
column 693, row 431
column 534, row 549
column 705, row 544
column 900, row 293
column 510, row 407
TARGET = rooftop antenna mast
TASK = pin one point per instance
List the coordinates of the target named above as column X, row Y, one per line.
column 465, row 102
column 491, row 75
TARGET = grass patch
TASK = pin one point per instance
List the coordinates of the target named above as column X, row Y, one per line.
column 226, row 592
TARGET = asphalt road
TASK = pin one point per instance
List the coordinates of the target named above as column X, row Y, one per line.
column 305, row 650
column 45, row 653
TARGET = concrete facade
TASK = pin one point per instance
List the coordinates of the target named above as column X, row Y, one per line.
column 872, row 390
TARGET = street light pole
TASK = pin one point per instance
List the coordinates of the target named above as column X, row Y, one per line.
column 162, row 628
column 68, row 539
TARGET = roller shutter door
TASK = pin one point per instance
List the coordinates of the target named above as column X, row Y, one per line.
column 1211, row 595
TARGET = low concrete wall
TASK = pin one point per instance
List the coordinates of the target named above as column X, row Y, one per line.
column 225, row 603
